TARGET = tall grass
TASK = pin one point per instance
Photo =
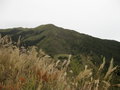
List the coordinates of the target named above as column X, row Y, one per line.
column 27, row 69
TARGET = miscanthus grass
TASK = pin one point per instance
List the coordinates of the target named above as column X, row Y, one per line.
column 27, row 69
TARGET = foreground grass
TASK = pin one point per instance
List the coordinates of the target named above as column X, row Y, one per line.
column 27, row 69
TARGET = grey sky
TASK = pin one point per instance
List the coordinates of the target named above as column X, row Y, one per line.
column 99, row 18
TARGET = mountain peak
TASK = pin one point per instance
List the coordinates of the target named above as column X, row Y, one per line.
column 47, row 26
column 50, row 25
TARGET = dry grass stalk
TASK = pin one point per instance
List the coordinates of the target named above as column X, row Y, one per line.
column 102, row 65
column 110, row 69
column 116, row 85
column 84, row 74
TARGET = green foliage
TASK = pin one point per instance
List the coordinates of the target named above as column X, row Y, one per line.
column 55, row 40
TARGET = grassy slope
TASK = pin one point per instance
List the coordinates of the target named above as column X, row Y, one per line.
column 55, row 40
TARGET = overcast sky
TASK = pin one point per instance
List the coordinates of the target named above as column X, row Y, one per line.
column 99, row 18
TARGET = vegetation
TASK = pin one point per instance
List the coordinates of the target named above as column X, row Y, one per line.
column 55, row 40
column 27, row 69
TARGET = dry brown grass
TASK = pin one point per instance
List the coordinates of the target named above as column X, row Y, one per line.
column 27, row 69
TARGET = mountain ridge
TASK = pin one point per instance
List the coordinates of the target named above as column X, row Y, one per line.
column 52, row 25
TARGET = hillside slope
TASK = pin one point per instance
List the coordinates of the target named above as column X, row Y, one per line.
column 55, row 40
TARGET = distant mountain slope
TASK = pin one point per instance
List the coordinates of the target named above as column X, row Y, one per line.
column 55, row 40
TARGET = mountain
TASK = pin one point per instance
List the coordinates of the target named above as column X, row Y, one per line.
column 56, row 40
